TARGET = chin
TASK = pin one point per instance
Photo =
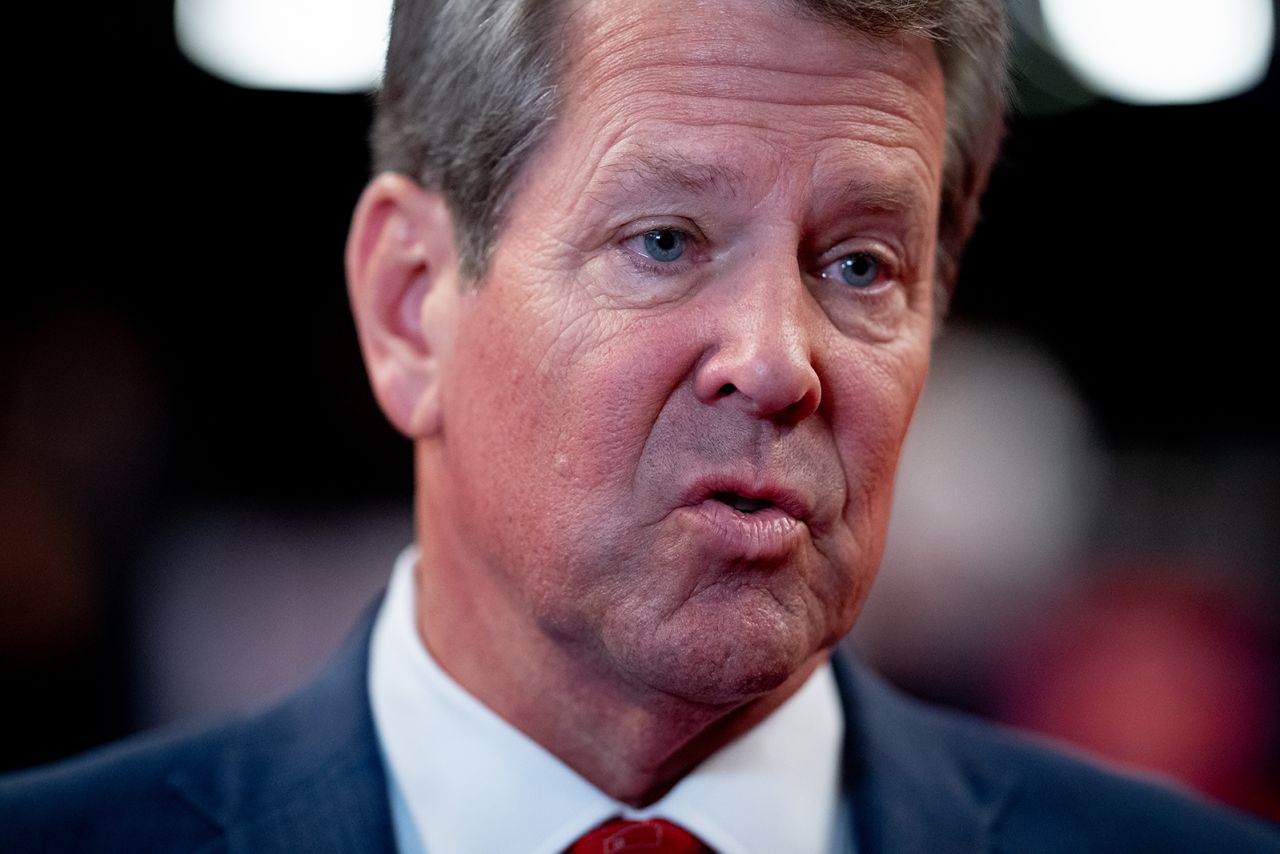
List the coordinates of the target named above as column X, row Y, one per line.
column 712, row 684
column 724, row 659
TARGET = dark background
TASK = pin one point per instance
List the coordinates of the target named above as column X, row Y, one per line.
column 176, row 330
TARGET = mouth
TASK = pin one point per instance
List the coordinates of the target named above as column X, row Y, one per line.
column 747, row 521
column 742, row 503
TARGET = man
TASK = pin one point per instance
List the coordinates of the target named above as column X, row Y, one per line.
column 651, row 286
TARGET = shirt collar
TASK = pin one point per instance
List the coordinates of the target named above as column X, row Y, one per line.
column 466, row 780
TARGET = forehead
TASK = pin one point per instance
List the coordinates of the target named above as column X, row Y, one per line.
column 748, row 90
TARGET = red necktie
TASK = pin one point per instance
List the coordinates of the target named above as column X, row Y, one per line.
column 656, row 836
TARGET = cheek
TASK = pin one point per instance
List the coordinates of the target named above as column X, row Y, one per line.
column 549, row 409
column 610, row 397
column 872, row 405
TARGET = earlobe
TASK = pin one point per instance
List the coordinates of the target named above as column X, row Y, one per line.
column 402, row 280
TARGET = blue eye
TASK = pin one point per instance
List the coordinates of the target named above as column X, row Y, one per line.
column 664, row 244
column 859, row 270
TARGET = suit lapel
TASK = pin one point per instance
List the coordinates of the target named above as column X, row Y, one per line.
column 306, row 775
column 909, row 789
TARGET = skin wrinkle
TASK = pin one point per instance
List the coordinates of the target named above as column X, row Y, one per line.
column 650, row 170
column 654, row 174
column 695, row 87
column 891, row 124
column 581, row 342
column 654, row 59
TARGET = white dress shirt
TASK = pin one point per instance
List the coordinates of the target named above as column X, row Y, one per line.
column 461, row 779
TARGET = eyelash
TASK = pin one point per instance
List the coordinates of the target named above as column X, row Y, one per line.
column 886, row 270
column 646, row 264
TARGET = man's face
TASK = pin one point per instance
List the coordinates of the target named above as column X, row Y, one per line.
column 673, row 409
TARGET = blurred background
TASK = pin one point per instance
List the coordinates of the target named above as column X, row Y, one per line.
column 198, row 496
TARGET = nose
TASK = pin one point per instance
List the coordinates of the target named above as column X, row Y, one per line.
column 760, row 357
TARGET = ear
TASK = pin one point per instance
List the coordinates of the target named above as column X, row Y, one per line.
column 402, row 277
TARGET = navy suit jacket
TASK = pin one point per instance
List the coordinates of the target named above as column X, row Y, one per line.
column 307, row 775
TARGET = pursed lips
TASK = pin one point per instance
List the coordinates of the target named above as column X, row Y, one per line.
column 748, row 522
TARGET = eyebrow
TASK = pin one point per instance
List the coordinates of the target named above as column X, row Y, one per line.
column 901, row 198
column 656, row 172
column 659, row 172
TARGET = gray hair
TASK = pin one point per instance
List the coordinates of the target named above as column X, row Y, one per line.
column 470, row 91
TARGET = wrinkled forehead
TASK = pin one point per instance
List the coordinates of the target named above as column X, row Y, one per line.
column 700, row 55
column 783, row 33
column 748, row 92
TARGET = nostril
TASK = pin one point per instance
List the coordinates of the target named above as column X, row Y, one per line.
column 727, row 389
column 800, row 410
